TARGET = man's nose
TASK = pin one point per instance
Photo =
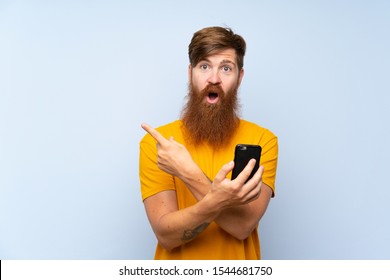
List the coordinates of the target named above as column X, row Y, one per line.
column 214, row 78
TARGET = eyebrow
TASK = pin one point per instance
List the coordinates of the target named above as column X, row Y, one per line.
column 222, row 62
column 227, row 61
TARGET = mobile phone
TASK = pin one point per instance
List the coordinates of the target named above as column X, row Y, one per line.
column 242, row 154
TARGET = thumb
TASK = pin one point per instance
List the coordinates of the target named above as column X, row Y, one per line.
column 224, row 171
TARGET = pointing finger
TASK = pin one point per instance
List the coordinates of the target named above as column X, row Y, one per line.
column 154, row 133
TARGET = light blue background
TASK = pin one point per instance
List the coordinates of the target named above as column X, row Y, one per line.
column 78, row 77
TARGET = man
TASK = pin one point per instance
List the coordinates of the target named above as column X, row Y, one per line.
column 195, row 210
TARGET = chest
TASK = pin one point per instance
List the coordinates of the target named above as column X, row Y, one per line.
column 211, row 160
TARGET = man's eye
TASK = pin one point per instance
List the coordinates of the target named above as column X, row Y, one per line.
column 226, row 68
column 204, row 66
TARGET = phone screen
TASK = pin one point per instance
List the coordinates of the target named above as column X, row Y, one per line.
column 242, row 154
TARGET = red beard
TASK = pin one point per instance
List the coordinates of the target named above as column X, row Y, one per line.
column 214, row 124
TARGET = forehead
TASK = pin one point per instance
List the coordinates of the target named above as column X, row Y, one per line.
column 227, row 55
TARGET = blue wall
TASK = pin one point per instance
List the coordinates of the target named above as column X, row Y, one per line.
column 78, row 77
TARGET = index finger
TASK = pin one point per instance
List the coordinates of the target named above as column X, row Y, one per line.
column 154, row 133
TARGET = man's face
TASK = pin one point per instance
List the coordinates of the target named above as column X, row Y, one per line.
column 211, row 112
column 219, row 69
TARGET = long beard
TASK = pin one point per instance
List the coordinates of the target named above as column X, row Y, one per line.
column 211, row 123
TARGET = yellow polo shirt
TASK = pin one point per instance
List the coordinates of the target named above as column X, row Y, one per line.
column 213, row 242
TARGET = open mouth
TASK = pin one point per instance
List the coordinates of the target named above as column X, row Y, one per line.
column 212, row 97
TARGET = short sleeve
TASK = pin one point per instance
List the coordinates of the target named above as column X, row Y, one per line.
column 269, row 159
column 152, row 179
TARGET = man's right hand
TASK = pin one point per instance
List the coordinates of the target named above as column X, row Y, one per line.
column 173, row 157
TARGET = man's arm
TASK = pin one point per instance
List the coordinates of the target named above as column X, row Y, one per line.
column 239, row 219
column 242, row 220
column 174, row 227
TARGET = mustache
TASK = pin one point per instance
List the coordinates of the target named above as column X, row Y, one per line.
column 213, row 89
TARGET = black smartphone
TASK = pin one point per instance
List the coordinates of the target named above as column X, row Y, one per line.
column 242, row 154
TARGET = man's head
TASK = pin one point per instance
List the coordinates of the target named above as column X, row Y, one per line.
column 211, row 40
column 215, row 72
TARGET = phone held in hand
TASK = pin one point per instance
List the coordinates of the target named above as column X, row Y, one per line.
column 242, row 154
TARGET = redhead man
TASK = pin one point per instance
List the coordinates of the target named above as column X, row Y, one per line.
column 196, row 211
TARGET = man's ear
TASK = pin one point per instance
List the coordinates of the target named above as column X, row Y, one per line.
column 189, row 72
column 241, row 75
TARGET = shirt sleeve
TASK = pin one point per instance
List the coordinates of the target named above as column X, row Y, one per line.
column 152, row 179
column 269, row 159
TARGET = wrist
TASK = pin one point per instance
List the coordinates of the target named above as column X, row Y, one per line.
column 196, row 181
column 210, row 205
column 192, row 173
